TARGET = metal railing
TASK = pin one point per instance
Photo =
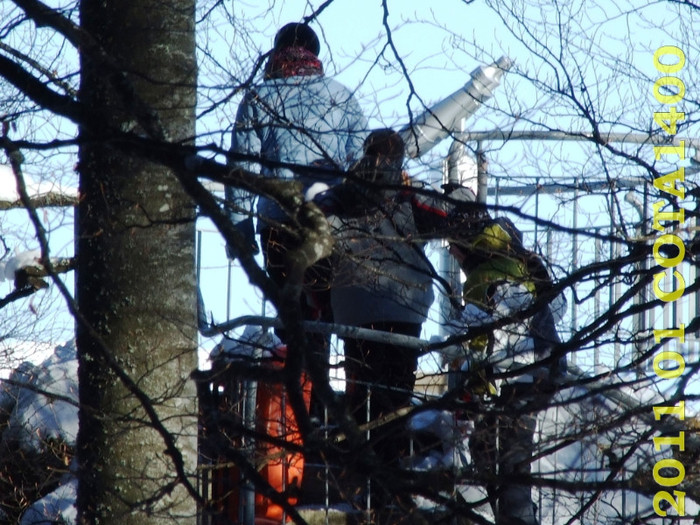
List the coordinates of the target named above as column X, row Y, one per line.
column 612, row 349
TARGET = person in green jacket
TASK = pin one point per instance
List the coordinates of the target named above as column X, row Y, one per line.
column 507, row 293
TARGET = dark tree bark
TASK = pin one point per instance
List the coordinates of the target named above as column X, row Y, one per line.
column 136, row 335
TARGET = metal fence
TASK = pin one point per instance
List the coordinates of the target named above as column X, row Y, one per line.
column 577, row 239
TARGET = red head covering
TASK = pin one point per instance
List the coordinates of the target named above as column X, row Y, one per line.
column 295, row 53
column 293, row 62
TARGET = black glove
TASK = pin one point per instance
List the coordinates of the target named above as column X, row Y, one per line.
column 458, row 192
column 245, row 228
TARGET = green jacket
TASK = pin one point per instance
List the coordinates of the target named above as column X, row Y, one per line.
column 493, row 260
column 496, row 257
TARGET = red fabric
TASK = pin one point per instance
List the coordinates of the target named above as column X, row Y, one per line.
column 293, row 62
column 431, row 209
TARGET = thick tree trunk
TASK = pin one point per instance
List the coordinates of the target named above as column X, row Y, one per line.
column 136, row 279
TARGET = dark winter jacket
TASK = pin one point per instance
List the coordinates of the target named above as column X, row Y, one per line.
column 381, row 273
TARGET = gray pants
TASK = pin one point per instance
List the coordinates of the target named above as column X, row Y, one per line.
column 502, row 448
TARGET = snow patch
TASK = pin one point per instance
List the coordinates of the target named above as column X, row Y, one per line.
column 17, row 262
column 8, row 186
column 56, row 507
column 47, row 407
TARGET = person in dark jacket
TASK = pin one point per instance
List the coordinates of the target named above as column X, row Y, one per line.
column 382, row 280
column 506, row 282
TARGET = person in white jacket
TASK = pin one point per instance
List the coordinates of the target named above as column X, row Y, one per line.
column 296, row 120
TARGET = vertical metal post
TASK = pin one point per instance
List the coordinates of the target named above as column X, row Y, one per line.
column 639, row 320
column 644, row 266
column 598, row 257
column 202, row 479
column 457, row 170
column 326, row 469
column 549, row 249
column 537, row 210
column 228, row 290
column 250, row 393
column 285, row 455
column 694, row 272
column 199, row 256
column 482, row 177
column 368, row 435
column 498, row 192
column 615, row 292
column 574, row 258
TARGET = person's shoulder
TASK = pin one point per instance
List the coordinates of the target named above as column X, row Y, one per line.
column 275, row 87
column 338, row 88
column 269, row 85
column 336, row 84
column 253, row 92
column 321, row 84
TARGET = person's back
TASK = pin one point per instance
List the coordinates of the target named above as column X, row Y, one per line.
column 297, row 122
column 297, row 117
column 381, row 273
column 382, row 281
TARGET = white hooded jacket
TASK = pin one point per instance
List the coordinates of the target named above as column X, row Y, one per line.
column 286, row 124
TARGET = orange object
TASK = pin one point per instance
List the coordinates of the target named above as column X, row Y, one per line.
column 282, row 468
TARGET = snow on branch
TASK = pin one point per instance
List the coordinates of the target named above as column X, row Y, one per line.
column 27, row 270
column 41, row 194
